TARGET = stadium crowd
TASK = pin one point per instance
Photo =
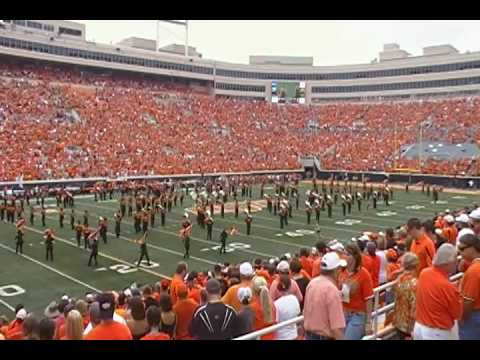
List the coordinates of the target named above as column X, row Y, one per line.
column 60, row 123
column 332, row 284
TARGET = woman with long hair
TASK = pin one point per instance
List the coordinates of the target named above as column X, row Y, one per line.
column 357, row 295
column 168, row 318
column 73, row 326
column 136, row 318
column 287, row 307
column 263, row 306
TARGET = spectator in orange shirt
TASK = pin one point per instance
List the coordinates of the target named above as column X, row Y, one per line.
column 73, row 326
column 246, row 275
column 374, row 263
column 306, row 261
column 322, row 249
column 178, row 280
column 421, row 245
column 469, row 326
column 449, row 230
column 153, row 320
column 439, row 304
column 357, row 295
column 184, row 310
column 15, row 328
column 193, row 287
column 108, row 329
column 262, row 306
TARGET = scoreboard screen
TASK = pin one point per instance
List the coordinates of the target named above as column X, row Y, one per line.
column 288, row 92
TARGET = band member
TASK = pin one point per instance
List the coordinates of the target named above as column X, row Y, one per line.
column 143, row 248
column 249, row 206
column 318, row 208
column 144, row 221
column 130, row 206
column 297, row 201
column 118, row 221
column 344, row 205
column 261, row 190
column 86, row 233
column 435, row 194
column 223, row 238
column 386, row 195
column 374, row 199
column 137, row 218
column 123, row 206
column 349, row 203
column 162, row 215
column 359, row 202
column 283, row 214
column 269, row 203
column 49, row 238
column 406, row 187
column 85, row 218
column 20, row 225
column 236, row 208
column 72, row 219
column 152, row 217
column 248, row 221
column 308, row 210
column 275, row 205
column 43, row 212
column 222, row 209
column 2, row 211
column 290, row 209
column 428, row 190
column 181, row 198
column 93, row 244
column 61, row 216
column 103, row 227
column 212, row 208
column 209, row 222
column 185, row 233
column 329, row 206
column 32, row 215
column 78, row 232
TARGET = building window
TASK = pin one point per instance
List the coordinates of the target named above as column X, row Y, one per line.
column 19, row 22
column 68, row 31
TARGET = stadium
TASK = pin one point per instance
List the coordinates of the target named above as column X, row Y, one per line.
column 157, row 183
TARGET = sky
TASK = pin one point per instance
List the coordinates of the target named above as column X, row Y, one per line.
column 329, row 42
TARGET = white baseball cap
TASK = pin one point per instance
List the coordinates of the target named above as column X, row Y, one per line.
column 21, row 314
column 246, row 269
column 449, row 219
column 331, row 261
column 335, row 245
column 244, row 293
column 464, row 232
column 283, row 266
column 463, row 218
column 475, row 214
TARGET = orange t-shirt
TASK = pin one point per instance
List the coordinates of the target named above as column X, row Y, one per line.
column 110, row 331
column 372, row 264
column 159, row 336
column 231, row 298
column 194, row 294
column 438, row 301
column 184, row 309
column 176, row 282
column 450, row 233
column 391, row 268
column 316, row 267
column 425, row 250
column 260, row 322
column 14, row 331
column 470, row 284
column 361, row 289
column 307, row 264
column 264, row 273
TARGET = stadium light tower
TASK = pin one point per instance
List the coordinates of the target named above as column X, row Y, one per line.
column 175, row 22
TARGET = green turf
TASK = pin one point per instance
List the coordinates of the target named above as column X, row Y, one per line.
column 44, row 281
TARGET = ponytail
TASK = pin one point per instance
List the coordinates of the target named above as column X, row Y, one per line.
column 266, row 305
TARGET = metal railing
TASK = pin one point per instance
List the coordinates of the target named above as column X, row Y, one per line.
column 256, row 335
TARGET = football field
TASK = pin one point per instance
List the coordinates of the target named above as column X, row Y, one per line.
column 34, row 282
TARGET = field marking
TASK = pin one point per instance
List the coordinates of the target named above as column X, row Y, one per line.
column 191, row 237
column 48, row 267
column 102, row 254
column 8, row 306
